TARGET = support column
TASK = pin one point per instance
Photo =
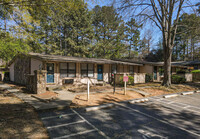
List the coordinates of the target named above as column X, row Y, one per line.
column 40, row 81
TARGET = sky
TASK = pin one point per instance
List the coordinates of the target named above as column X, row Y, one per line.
column 156, row 33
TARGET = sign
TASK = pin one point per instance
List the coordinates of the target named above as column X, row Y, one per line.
column 125, row 79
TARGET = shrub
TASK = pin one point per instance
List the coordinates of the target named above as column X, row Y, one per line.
column 181, row 71
column 130, row 80
column 148, row 78
column 196, row 71
column 176, row 79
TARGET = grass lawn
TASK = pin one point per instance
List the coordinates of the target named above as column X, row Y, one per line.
column 18, row 119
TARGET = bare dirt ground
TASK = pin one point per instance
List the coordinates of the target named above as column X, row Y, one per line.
column 18, row 119
column 83, row 88
column 154, row 89
column 102, row 98
column 161, row 90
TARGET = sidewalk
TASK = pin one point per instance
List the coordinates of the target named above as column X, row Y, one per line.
column 63, row 100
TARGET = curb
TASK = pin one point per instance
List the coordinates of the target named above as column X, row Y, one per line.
column 197, row 91
column 170, row 96
column 187, row 93
column 138, row 100
column 99, row 107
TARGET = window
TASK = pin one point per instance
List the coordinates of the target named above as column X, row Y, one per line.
column 131, row 69
column 67, row 70
column 90, row 70
column 87, row 70
column 114, row 68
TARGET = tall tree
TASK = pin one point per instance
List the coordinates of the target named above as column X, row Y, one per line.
column 188, row 36
column 109, row 31
column 165, row 14
column 133, row 35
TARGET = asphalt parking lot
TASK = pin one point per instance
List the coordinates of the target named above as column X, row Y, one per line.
column 162, row 118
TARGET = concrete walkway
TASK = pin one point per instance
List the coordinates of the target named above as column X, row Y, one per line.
column 63, row 100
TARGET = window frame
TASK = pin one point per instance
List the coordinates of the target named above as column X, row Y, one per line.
column 112, row 70
column 87, row 70
column 67, row 70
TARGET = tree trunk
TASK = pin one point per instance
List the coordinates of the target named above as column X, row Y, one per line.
column 167, row 62
column 187, row 49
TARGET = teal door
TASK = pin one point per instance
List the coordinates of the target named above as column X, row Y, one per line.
column 155, row 73
column 50, row 72
column 100, row 72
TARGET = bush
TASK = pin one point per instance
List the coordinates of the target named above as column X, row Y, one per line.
column 180, row 72
column 148, row 78
column 196, row 71
column 176, row 79
column 130, row 80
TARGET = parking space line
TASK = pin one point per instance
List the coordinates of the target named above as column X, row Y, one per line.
column 179, row 106
column 75, row 134
column 63, row 115
column 81, row 121
column 158, row 119
column 99, row 131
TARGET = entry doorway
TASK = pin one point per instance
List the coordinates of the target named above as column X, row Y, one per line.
column 50, row 72
column 155, row 73
column 100, row 72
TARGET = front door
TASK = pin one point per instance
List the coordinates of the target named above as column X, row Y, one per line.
column 155, row 73
column 100, row 72
column 50, row 72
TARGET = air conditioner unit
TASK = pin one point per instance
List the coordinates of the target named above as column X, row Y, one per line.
column 68, row 81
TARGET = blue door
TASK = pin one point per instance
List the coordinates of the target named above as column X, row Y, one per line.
column 50, row 72
column 155, row 73
column 100, row 72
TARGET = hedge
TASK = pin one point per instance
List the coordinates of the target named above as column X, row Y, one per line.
column 148, row 78
column 196, row 71
column 176, row 79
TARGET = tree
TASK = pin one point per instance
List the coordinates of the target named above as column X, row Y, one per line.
column 188, row 36
column 149, row 38
column 165, row 15
column 156, row 55
column 109, row 31
column 10, row 46
column 133, row 35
